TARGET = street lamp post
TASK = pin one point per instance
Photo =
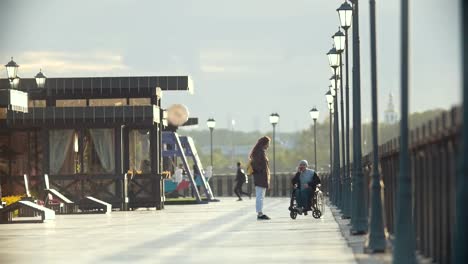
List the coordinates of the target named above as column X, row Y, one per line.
column 404, row 230
column 376, row 242
column 329, row 97
column 12, row 69
column 274, row 118
column 345, row 13
column 314, row 114
column 333, row 60
column 332, row 89
column 359, row 207
column 339, row 41
column 334, row 84
column 233, row 123
column 14, row 79
column 211, row 123
column 460, row 252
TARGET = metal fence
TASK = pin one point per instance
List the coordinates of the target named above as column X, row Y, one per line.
column 223, row 185
column 433, row 156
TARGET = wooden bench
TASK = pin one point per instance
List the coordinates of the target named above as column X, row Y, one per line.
column 6, row 214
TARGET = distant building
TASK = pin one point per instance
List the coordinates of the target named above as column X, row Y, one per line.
column 391, row 116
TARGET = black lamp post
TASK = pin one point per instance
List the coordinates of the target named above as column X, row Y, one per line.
column 333, row 60
column 345, row 13
column 404, row 230
column 334, row 84
column 332, row 90
column 12, row 73
column 359, row 207
column 339, row 41
column 211, row 123
column 274, row 119
column 329, row 97
column 12, row 69
column 314, row 114
column 376, row 242
column 460, row 252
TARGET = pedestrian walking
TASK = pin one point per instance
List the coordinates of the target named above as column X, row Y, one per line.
column 241, row 178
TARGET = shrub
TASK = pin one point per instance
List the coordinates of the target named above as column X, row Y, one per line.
column 11, row 199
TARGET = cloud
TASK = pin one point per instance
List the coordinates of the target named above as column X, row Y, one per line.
column 70, row 63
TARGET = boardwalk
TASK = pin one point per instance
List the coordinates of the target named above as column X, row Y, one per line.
column 224, row 232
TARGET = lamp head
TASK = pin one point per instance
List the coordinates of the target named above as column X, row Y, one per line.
column 274, row 118
column 314, row 113
column 211, row 123
column 345, row 13
column 12, row 69
column 40, row 79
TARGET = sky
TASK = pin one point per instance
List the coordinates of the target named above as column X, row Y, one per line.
column 247, row 58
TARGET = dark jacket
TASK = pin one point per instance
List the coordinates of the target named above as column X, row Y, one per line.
column 261, row 170
column 312, row 184
column 240, row 176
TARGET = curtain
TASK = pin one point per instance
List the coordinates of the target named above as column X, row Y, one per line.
column 59, row 145
column 144, row 162
column 140, row 150
column 103, row 140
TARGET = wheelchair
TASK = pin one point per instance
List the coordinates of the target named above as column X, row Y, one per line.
column 317, row 205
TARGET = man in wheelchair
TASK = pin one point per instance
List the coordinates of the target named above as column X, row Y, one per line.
column 305, row 182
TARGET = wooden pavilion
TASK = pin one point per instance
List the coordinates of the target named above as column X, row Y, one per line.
column 86, row 134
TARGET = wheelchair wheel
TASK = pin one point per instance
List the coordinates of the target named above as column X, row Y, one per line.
column 293, row 214
column 320, row 202
column 316, row 214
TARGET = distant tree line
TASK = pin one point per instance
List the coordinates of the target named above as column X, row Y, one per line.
column 290, row 147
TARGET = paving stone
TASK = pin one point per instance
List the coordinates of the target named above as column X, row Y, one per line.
column 220, row 232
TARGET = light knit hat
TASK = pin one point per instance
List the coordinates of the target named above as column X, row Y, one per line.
column 304, row 162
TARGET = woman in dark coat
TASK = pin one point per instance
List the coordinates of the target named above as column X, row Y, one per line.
column 261, row 174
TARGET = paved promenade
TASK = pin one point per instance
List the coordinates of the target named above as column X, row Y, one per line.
column 223, row 232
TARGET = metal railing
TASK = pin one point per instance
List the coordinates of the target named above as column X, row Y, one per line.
column 223, row 185
column 433, row 156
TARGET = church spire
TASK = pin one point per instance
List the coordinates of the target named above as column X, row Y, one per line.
column 391, row 116
column 390, row 106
